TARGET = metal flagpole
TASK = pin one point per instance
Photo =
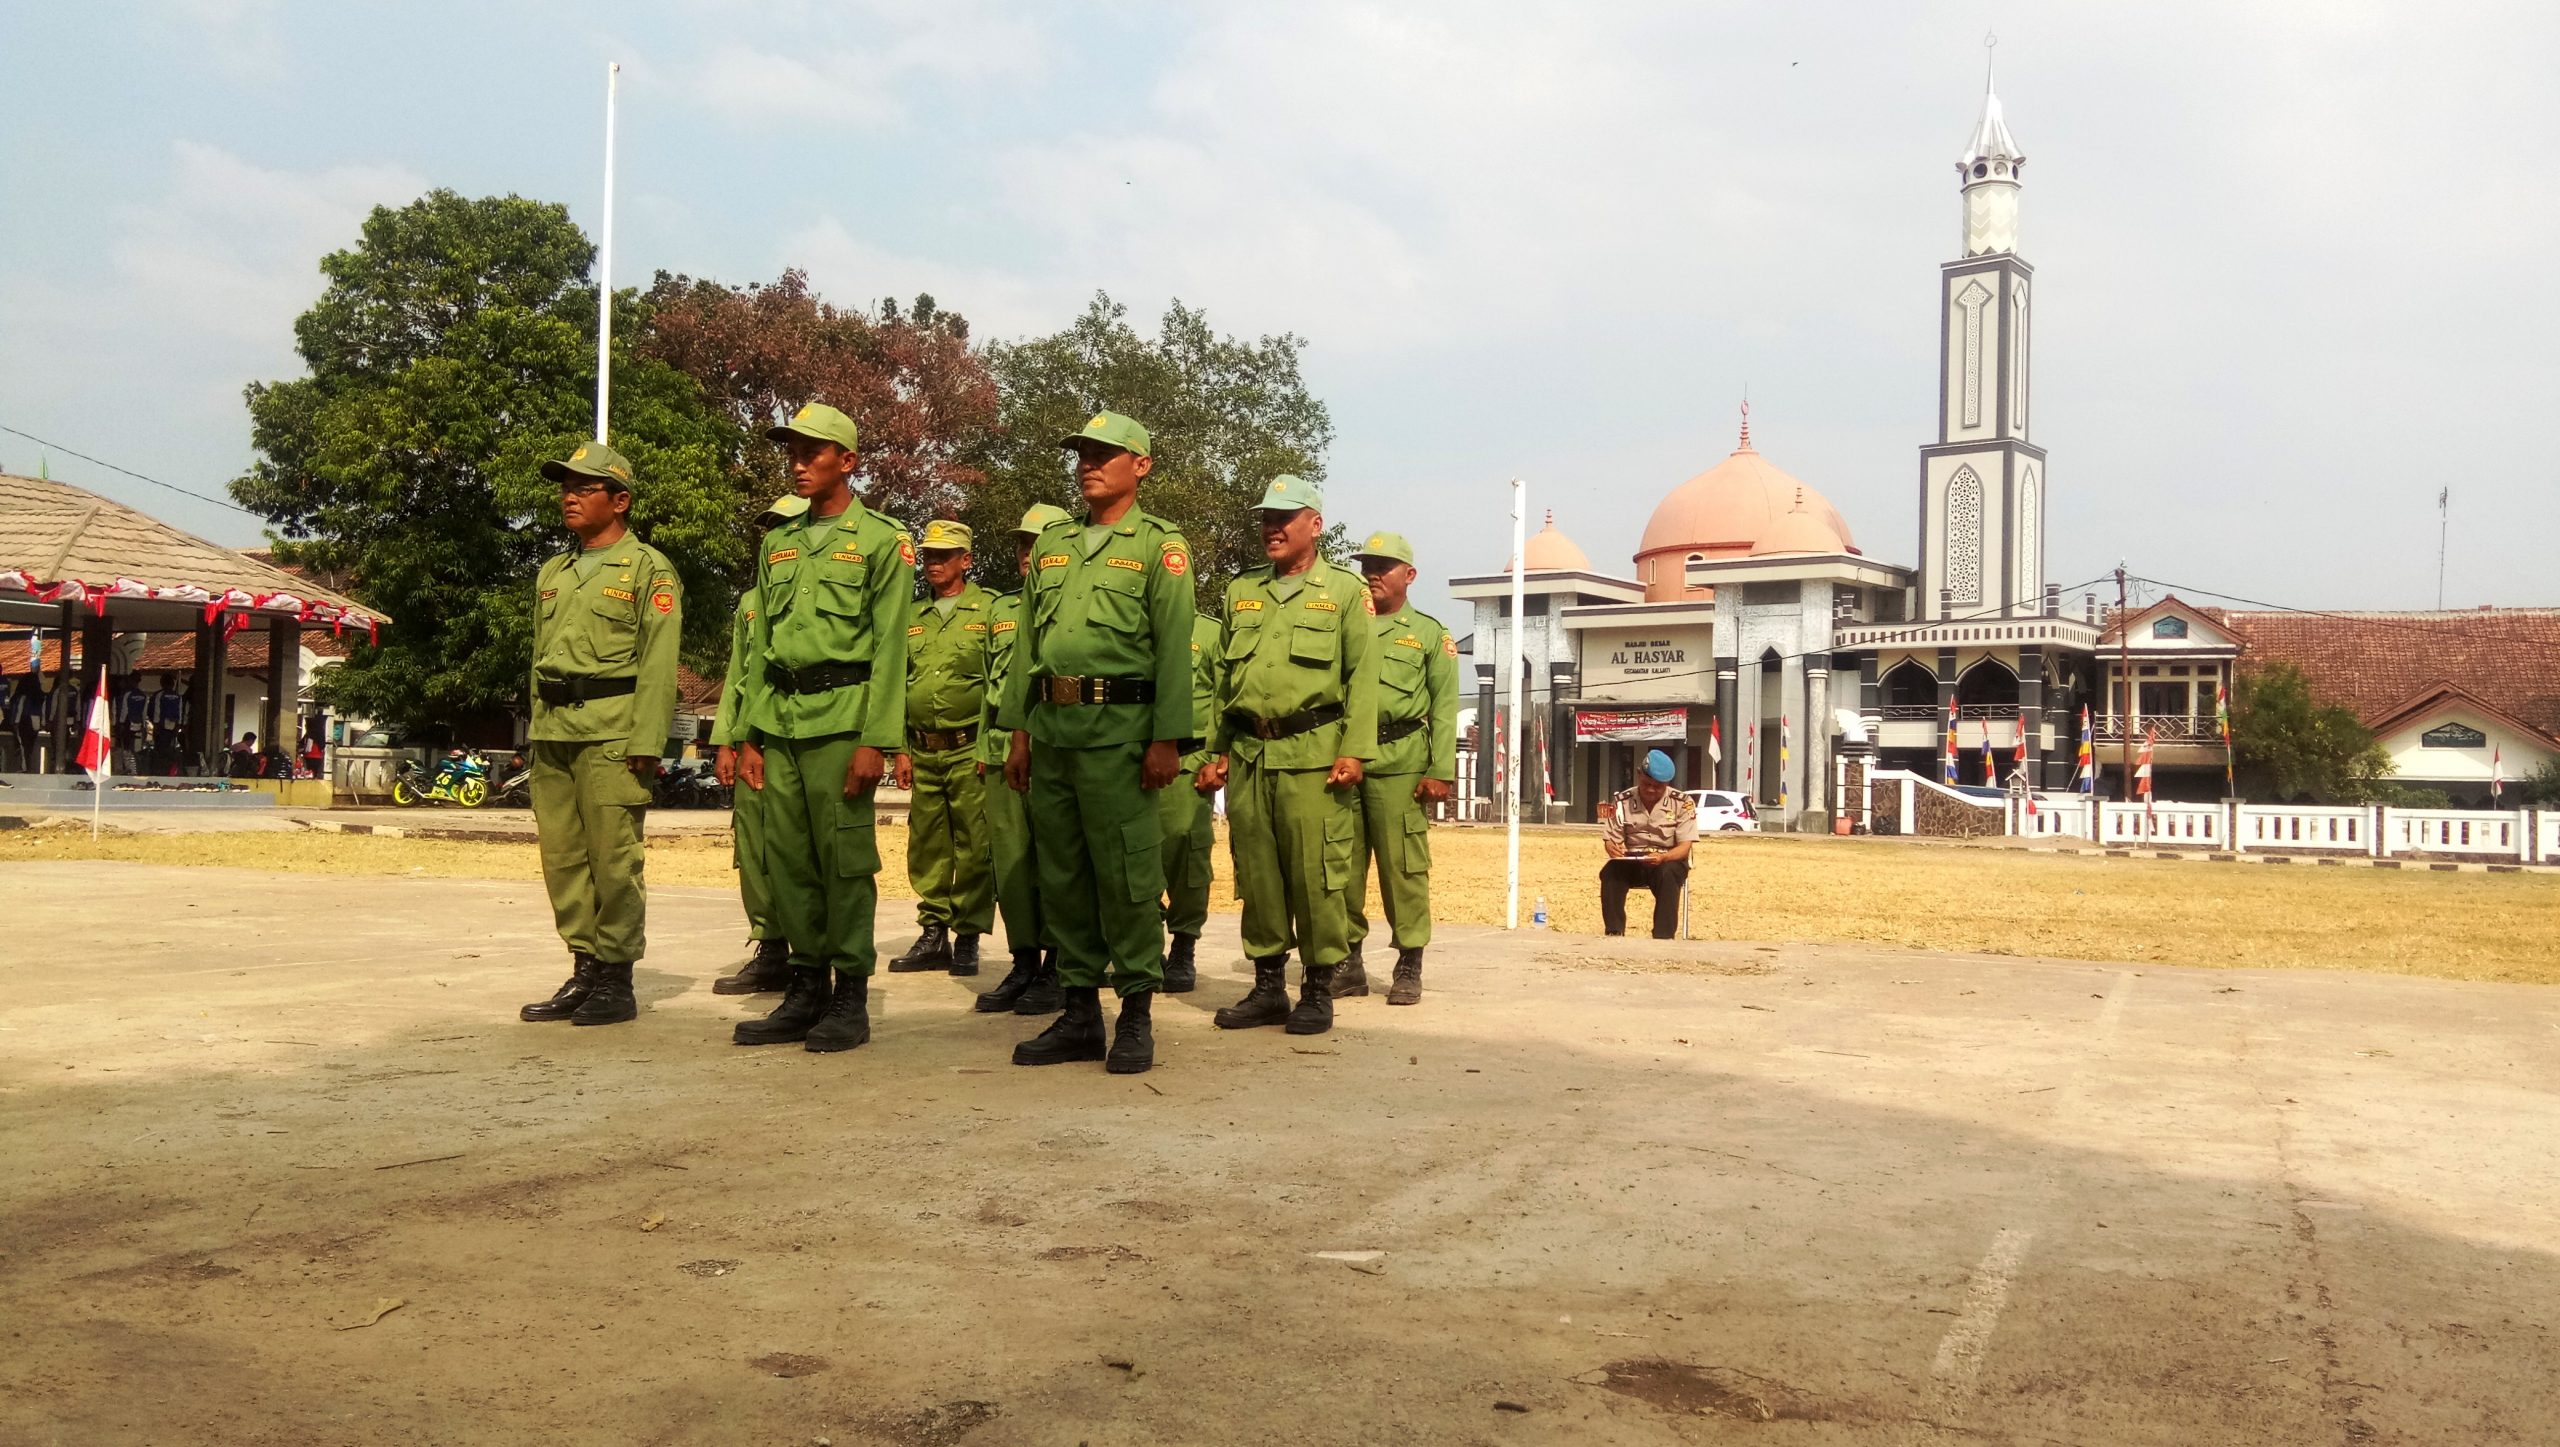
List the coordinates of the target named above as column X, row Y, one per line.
column 1519, row 653
column 604, row 265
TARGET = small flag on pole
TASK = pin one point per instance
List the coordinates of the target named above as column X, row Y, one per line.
column 97, row 747
column 1786, row 738
column 1949, row 772
column 1715, row 741
column 2497, row 776
column 2222, row 718
column 1990, row 770
column 2086, row 780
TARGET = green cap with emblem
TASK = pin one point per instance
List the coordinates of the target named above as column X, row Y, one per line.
column 1289, row 492
column 784, row 508
column 595, row 460
column 819, row 423
column 1112, row 429
column 945, row 535
column 1040, row 517
column 1390, row 546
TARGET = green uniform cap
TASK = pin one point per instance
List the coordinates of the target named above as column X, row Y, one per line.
column 818, row 422
column 592, row 459
column 946, row 534
column 789, row 505
column 1041, row 517
column 1390, row 546
column 1289, row 492
column 1113, row 429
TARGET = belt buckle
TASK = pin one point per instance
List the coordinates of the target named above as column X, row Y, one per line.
column 1065, row 689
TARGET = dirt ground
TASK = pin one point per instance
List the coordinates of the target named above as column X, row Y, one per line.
column 284, row 1169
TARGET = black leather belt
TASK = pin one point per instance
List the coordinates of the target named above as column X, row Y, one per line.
column 940, row 741
column 1287, row 725
column 1189, row 746
column 1067, row 689
column 816, row 678
column 577, row 690
column 1403, row 728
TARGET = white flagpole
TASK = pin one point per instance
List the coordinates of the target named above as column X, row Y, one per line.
column 604, row 265
column 1519, row 652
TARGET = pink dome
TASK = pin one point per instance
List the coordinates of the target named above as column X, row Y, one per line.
column 1732, row 510
column 1800, row 531
column 1549, row 551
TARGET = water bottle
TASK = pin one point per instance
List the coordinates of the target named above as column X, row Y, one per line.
column 1539, row 919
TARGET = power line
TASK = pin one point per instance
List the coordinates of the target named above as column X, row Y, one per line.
column 129, row 472
column 2460, row 624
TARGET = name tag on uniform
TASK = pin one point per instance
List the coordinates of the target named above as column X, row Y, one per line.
column 1005, row 627
column 975, row 627
column 550, row 593
column 916, row 632
column 1132, row 564
column 847, row 557
column 783, row 555
column 1322, row 605
column 1248, row 605
column 1055, row 560
column 623, row 594
column 1409, row 641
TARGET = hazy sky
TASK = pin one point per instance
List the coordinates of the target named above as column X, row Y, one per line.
column 2295, row 262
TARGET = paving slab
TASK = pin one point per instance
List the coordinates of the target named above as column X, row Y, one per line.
column 285, row 1169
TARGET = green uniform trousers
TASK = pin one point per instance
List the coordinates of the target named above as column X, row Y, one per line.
column 822, row 853
column 1009, row 854
column 1293, row 840
column 588, row 809
column 947, row 843
column 1101, row 865
column 746, row 854
column 1188, row 820
column 1396, row 831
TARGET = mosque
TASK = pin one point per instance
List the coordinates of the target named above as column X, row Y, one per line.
column 1756, row 638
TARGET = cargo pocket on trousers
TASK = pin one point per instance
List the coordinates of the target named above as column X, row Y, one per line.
column 1417, row 844
column 857, row 840
column 1341, row 843
column 629, row 791
column 1142, row 858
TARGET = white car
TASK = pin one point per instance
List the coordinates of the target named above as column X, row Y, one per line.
column 1722, row 811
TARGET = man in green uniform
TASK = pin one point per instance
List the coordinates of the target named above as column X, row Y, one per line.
column 1100, row 701
column 948, row 663
column 1188, row 817
column 605, row 625
column 827, row 701
column 768, row 964
column 1031, row 986
column 1297, row 721
column 1416, row 767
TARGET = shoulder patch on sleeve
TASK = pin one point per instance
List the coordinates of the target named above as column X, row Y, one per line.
column 1176, row 560
column 1448, row 645
column 664, row 600
column 906, row 550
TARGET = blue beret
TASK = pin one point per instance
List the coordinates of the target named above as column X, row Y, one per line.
column 1657, row 766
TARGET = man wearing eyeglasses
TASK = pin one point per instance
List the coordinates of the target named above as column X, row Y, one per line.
column 606, row 619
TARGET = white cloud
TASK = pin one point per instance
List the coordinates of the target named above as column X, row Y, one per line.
column 874, row 52
column 752, row 87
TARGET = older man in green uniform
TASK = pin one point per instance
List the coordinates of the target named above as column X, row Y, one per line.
column 768, row 962
column 605, row 626
column 827, row 690
column 1416, row 767
column 1031, row 986
column 1297, row 722
column 948, row 670
column 1188, row 816
column 1101, row 701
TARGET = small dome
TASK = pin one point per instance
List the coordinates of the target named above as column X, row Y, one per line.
column 1799, row 532
column 1729, row 511
column 1549, row 551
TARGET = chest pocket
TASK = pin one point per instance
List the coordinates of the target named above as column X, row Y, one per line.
column 842, row 589
column 1401, row 670
column 1244, row 635
column 1119, row 597
column 1315, row 639
column 781, row 585
column 616, row 624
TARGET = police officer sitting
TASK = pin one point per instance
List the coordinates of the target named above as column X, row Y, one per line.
column 1648, row 831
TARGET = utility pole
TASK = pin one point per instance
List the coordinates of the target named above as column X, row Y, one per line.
column 2124, row 668
column 2444, row 525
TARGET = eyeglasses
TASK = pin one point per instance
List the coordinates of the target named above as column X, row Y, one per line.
column 580, row 489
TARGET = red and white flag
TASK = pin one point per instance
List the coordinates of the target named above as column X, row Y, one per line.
column 2497, row 776
column 1715, row 741
column 96, row 745
column 2142, row 766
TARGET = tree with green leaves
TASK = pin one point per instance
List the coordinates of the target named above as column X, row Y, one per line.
column 1226, row 417
column 452, row 353
column 2289, row 747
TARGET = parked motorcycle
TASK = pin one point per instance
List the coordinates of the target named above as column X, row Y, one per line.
column 461, row 777
column 689, row 786
column 515, row 785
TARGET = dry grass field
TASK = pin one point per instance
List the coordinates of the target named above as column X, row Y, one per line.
column 2469, row 926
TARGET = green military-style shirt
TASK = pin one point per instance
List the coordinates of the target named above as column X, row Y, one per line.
column 730, row 726
column 1121, row 610
column 948, row 664
column 1296, row 643
column 1417, row 679
column 833, row 592
column 621, row 621
column 1004, row 630
column 1208, row 671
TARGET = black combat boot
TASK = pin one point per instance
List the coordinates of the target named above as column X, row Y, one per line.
column 1314, row 1014
column 1267, row 1003
column 1351, row 977
column 760, row 973
column 1026, row 967
column 846, row 1022
column 1133, row 1040
column 964, row 955
column 804, row 999
column 1043, row 994
column 571, row 994
column 931, row 951
column 1181, row 968
column 1407, row 989
column 1075, row 1035
column 610, row 1002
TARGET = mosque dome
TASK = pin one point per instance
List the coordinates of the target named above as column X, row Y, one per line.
column 1735, row 509
column 1549, row 551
